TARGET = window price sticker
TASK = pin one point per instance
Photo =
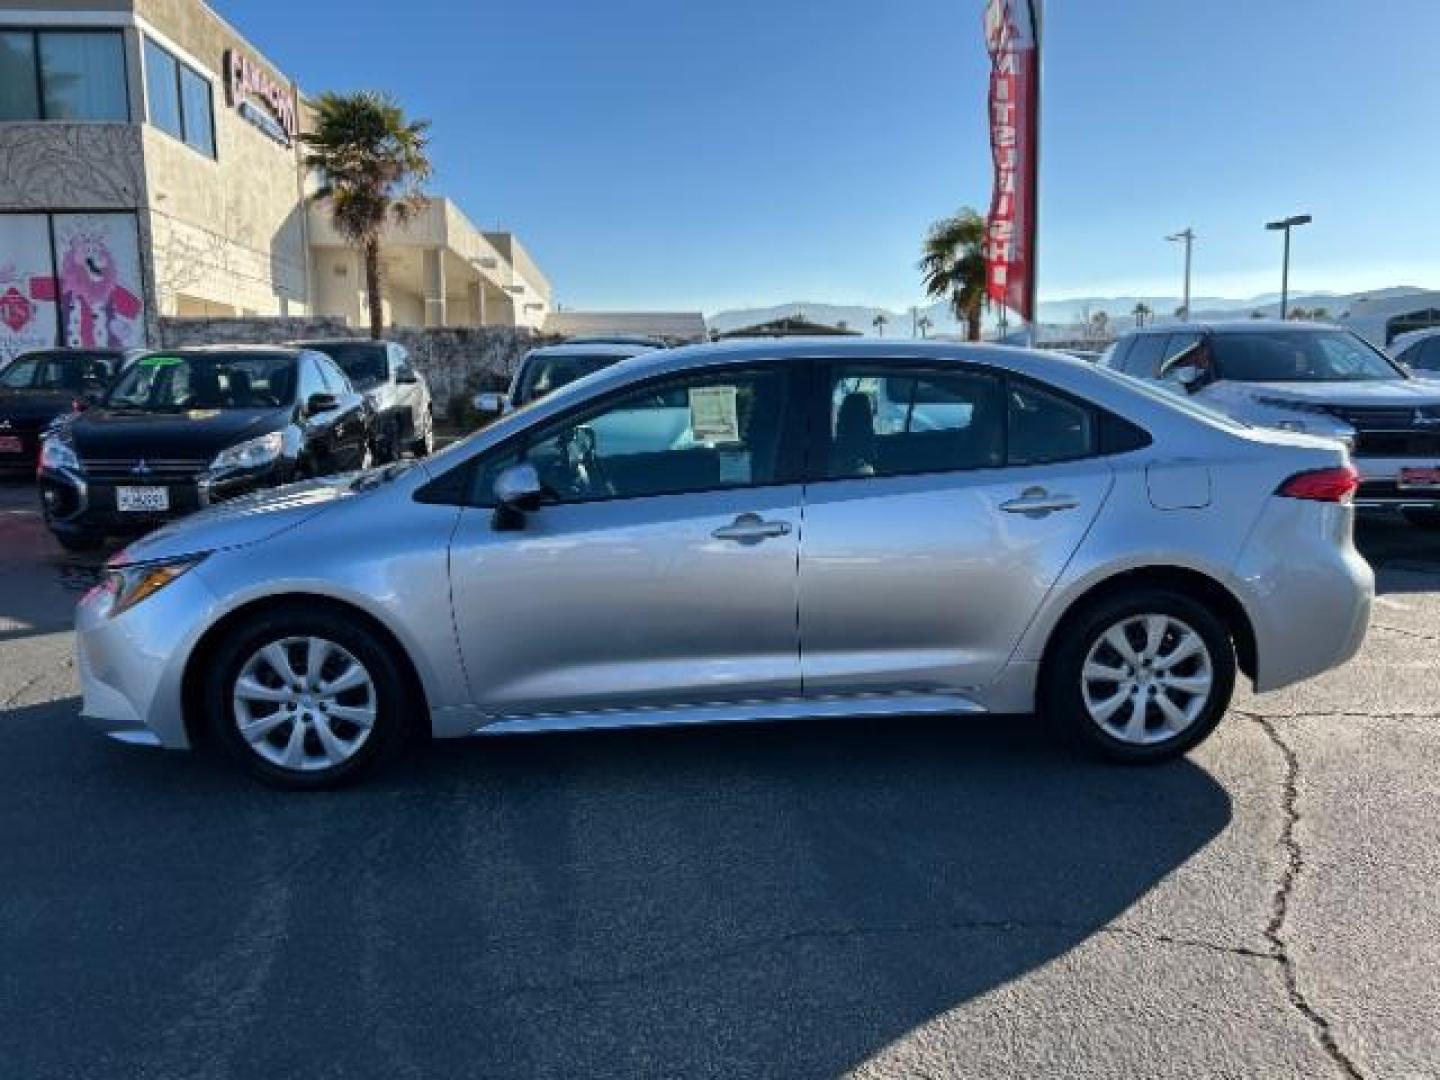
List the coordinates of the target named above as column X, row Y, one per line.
column 714, row 417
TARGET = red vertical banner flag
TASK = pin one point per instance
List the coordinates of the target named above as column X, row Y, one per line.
column 1012, row 36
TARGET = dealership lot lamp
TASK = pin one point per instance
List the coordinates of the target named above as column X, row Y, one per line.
column 1285, row 226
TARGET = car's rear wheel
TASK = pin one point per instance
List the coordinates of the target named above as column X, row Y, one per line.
column 306, row 700
column 1140, row 677
column 1425, row 519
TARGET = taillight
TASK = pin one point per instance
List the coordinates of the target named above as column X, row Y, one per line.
column 1337, row 485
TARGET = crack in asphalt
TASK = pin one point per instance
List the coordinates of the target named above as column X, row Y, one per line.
column 842, row 933
column 34, row 680
column 1280, row 906
column 1407, row 633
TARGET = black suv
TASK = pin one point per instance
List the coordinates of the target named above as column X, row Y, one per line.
column 399, row 395
column 184, row 428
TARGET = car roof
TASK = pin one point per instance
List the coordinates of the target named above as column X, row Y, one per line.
column 1410, row 337
column 593, row 348
column 321, row 343
column 227, row 350
column 1234, row 326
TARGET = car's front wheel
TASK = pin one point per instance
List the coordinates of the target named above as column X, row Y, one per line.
column 306, row 700
column 1140, row 677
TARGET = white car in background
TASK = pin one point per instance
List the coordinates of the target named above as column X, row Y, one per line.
column 547, row 369
column 1419, row 351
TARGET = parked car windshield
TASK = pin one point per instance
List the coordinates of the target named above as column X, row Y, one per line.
column 1299, row 356
column 76, row 372
column 163, row 383
column 546, row 374
column 363, row 362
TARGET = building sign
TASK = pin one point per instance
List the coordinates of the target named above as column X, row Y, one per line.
column 1012, row 36
column 260, row 98
column 27, row 285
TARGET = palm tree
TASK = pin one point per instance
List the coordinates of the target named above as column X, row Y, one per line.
column 953, row 266
column 1182, row 313
column 879, row 323
column 925, row 324
column 1100, row 322
column 371, row 162
column 1141, row 312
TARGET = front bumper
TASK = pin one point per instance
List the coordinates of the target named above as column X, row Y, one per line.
column 76, row 503
column 131, row 666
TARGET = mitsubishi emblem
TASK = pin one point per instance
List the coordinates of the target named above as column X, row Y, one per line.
column 4, row 425
column 142, row 468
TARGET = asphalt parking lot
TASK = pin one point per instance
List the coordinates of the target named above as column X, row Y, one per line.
column 922, row 898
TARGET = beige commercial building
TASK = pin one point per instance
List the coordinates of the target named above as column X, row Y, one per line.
column 150, row 166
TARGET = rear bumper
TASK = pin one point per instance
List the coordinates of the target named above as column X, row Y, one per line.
column 1308, row 592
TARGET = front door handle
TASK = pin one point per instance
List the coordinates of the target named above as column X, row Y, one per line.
column 1038, row 501
column 751, row 529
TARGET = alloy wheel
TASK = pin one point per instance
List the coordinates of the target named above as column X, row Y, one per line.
column 304, row 704
column 1147, row 679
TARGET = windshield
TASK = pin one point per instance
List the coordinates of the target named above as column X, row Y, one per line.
column 74, row 372
column 163, row 383
column 546, row 374
column 363, row 362
column 1299, row 356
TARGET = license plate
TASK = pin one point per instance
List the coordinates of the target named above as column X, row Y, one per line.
column 10, row 444
column 1419, row 478
column 144, row 500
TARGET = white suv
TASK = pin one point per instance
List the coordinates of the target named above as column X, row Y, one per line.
column 1308, row 377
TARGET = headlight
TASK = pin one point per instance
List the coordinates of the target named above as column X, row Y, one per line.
column 56, row 453
column 250, row 454
column 129, row 585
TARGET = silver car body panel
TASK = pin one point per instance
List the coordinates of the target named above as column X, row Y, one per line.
column 917, row 595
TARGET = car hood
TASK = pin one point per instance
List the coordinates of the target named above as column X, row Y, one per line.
column 34, row 408
column 243, row 521
column 1377, row 392
column 200, row 433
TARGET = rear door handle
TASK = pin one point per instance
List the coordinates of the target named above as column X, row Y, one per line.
column 1038, row 501
column 751, row 529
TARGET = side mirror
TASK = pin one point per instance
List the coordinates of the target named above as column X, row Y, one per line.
column 518, row 491
column 320, row 403
column 490, row 404
column 1186, row 367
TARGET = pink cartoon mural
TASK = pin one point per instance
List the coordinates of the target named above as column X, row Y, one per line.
column 99, row 301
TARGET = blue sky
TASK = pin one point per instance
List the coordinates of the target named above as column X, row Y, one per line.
column 708, row 154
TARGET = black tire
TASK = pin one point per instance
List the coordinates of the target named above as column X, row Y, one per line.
column 387, row 443
column 79, row 542
column 391, row 701
column 1063, row 691
column 424, row 445
column 1424, row 519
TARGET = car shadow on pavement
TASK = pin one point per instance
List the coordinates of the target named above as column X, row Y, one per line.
column 747, row 901
column 40, row 582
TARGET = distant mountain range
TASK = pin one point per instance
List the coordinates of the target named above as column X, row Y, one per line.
column 1057, row 314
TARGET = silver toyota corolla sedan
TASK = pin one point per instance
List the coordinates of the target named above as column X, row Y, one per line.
column 758, row 530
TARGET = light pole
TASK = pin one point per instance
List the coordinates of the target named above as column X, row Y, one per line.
column 1188, row 236
column 1285, row 226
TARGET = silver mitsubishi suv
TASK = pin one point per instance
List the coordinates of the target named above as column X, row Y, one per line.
column 1308, row 377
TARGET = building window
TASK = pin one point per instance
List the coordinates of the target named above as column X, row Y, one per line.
column 62, row 75
column 179, row 99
